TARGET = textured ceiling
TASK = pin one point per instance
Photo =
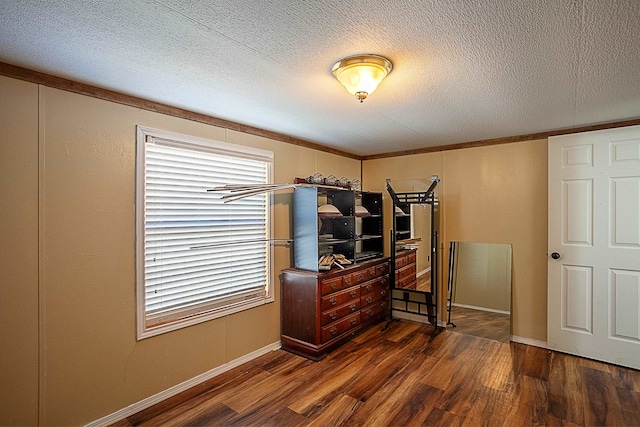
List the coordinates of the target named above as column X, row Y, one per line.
column 463, row 70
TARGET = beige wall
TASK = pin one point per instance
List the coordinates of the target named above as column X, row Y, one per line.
column 494, row 194
column 18, row 253
column 68, row 259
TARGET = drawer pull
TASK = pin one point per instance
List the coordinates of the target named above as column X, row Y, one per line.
column 360, row 277
column 369, row 287
column 333, row 330
column 353, row 294
column 347, row 281
column 353, row 307
column 383, row 292
column 369, row 312
column 369, row 300
column 333, row 315
column 384, row 281
column 353, row 321
column 333, row 300
column 333, row 286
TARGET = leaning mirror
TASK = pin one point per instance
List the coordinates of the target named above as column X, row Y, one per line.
column 480, row 289
column 414, row 239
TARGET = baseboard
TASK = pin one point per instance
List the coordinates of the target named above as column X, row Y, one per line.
column 423, row 272
column 179, row 388
column 473, row 307
column 529, row 341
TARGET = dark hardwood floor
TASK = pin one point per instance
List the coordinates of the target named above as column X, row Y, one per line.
column 484, row 324
column 396, row 377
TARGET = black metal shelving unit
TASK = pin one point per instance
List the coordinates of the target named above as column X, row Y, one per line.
column 349, row 232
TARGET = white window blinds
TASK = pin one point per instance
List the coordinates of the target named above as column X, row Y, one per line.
column 201, row 255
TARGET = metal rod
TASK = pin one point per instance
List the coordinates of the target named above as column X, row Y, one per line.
column 241, row 242
column 452, row 252
column 240, row 191
column 240, row 187
column 241, row 195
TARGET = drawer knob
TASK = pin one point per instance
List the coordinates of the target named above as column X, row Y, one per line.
column 333, row 315
column 333, row 300
column 353, row 321
column 353, row 307
column 333, row 286
column 333, row 330
column 369, row 299
column 353, row 294
column 369, row 287
column 347, row 280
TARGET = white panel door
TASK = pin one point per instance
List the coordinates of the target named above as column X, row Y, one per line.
column 594, row 245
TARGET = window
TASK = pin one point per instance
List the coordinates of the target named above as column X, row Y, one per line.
column 198, row 258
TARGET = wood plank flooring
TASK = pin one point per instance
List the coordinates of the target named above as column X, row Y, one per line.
column 484, row 324
column 396, row 377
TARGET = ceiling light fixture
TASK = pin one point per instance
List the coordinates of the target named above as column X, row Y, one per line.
column 361, row 74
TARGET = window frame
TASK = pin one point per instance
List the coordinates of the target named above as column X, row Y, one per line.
column 212, row 146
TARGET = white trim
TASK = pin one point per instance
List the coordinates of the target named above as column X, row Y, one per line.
column 420, row 318
column 145, row 136
column 423, row 272
column 529, row 341
column 204, row 317
column 139, row 232
column 473, row 307
column 217, row 147
column 179, row 388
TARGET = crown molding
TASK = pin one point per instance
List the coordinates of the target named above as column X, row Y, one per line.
column 505, row 140
column 133, row 101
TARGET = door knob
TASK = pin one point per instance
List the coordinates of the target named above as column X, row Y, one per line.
column 555, row 255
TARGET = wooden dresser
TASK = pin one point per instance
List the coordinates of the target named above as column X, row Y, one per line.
column 406, row 269
column 320, row 311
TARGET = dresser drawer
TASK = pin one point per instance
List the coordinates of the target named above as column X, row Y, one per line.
column 346, row 281
column 340, row 298
column 405, row 258
column 333, row 284
column 382, row 269
column 374, row 309
column 406, row 283
column 405, row 272
column 363, row 275
column 374, row 285
column 337, row 328
column 401, row 262
column 339, row 312
column 374, row 297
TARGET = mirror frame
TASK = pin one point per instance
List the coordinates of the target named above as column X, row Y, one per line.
column 411, row 301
